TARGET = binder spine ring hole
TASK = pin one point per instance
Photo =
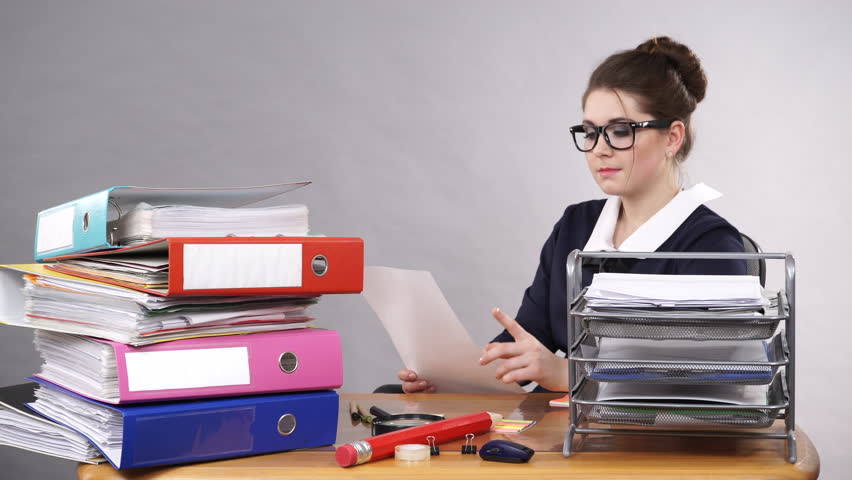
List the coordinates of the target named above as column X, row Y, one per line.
column 319, row 265
column 286, row 424
column 288, row 362
column 86, row 222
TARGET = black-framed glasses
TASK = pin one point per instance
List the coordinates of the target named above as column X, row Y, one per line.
column 618, row 135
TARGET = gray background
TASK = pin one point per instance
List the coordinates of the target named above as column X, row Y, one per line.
column 437, row 131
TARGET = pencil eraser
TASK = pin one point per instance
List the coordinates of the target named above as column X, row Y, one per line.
column 346, row 455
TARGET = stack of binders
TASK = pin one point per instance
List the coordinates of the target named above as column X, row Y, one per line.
column 163, row 349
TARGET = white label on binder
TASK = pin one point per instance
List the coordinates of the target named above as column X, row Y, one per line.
column 179, row 369
column 213, row 266
column 55, row 229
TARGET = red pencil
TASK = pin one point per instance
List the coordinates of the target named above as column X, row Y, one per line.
column 381, row 446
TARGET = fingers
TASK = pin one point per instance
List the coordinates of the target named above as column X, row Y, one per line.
column 411, row 383
column 514, row 328
column 548, row 370
column 493, row 351
column 420, row 386
column 407, row 375
column 527, row 373
column 526, row 362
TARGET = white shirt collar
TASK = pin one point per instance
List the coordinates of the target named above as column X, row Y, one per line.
column 651, row 234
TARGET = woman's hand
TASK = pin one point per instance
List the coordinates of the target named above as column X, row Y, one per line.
column 411, row 383
column 525, row 358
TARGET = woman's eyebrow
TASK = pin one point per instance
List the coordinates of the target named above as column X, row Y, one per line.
column 611, row 120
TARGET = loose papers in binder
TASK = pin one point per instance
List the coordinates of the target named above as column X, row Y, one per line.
column 146, row 222
column 33, row 296
column 22, row 428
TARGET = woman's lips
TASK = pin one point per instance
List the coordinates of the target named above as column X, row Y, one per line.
column 608, row 172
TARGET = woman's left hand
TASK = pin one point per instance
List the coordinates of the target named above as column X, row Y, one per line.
column 525, row 359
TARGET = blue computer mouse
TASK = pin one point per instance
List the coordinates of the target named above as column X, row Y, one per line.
column 506, row 451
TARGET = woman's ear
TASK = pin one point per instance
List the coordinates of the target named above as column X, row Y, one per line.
column 674, row 138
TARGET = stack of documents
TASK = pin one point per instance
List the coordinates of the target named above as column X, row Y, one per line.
column 112, row 372
column 217, row 315
column 147, row 222
column 173, row 432
column 120, row 215
column 630, row 290
column 53, row 301
column 22, row 428
column 193, row 266
column 148, row 271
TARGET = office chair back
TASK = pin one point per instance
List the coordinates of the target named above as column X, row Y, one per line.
column 756, row 266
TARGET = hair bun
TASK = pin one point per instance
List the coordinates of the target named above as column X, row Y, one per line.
column 684, row 62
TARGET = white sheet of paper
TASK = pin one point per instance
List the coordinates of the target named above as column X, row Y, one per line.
column 426, row 332
column 722, row 393
column 679, row 350
column 675, row 290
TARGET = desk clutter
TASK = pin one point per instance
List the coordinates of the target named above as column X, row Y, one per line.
column 174, row 326
column 429, row 434
column 681, row 354
column 415, row 437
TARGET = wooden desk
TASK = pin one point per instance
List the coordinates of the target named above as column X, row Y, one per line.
column 598, row 456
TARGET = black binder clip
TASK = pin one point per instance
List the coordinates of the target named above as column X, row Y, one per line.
column 433, row 449
column 468, row 447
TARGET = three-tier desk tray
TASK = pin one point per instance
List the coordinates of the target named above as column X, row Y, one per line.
column 772, row 330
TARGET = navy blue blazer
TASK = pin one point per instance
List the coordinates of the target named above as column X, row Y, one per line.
column 544, row 309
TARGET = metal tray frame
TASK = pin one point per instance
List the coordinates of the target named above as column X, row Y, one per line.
column 579, row 424
column 586, row 398
column 683, row 326
column 682, row 371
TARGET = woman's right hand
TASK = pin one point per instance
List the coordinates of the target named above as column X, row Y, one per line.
column 411, row 383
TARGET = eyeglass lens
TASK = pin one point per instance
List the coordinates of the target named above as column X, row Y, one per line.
column 618, row 135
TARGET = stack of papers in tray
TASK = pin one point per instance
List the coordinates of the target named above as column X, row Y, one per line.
column 619, row 359
column 672, row 405
column 756, row 395
column 686, row 351
column 631, row 290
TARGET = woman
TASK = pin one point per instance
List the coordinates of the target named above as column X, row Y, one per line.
column 636, row 132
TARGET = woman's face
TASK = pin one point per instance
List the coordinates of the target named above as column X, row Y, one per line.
column 634, row 171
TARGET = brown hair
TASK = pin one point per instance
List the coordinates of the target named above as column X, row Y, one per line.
column 664, row 75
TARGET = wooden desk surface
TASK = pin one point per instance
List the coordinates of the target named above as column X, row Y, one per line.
column 597, row 456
